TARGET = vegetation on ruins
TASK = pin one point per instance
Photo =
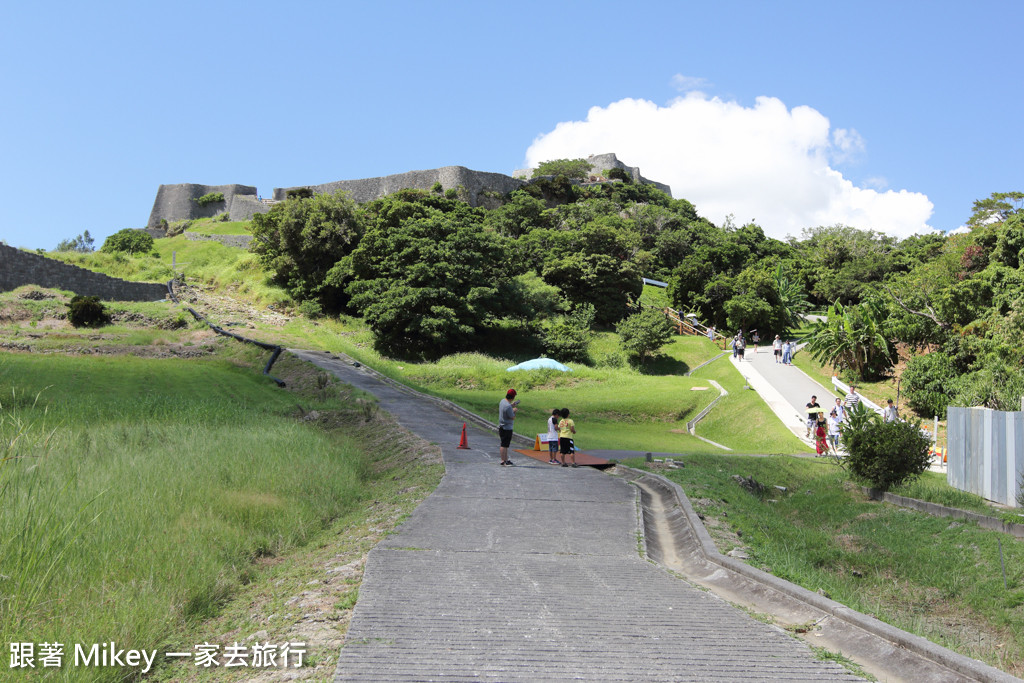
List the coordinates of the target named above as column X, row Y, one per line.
column 128, row 241
column 570, row 168
column 210, row 198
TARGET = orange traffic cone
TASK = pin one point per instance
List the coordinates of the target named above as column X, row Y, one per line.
column 463, row 443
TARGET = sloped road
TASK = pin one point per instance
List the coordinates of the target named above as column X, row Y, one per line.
column 532, row 573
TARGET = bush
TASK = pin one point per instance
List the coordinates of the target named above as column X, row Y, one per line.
column 128, row 241
column 211, row 198
column 929, row 383
column 566, row 338
column 87, row 311
column 311, row 309
column 299, row 193
column 570, row 168
column 437, row 188
column 884, row 454
column 619, row 174
column 643, row 333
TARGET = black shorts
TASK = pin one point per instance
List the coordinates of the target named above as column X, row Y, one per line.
column 778, row 352
column 566, row 445
column 506, row 437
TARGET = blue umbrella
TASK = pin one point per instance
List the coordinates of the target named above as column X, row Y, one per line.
column 538, row 363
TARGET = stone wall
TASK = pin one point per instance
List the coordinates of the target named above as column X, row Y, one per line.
column 19, row 268
column 244, row 206
column 477, row 184
column 240, row 241
column 177, row 202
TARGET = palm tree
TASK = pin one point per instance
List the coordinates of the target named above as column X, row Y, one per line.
column 851, row 338
column 792, row 296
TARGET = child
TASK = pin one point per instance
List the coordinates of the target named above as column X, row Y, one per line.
column 566, row 428
column 553, row 421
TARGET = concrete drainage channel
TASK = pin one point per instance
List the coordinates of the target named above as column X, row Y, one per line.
column 676, row 539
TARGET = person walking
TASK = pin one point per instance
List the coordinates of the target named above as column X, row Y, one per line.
column 852, row 398
column 787, row 352
column 566, row 429
column 821, row 434
column 756, row 338
column 742, row 343
column 839, row 410
column 777, row 349
column 553, row 421
column 813, row 409
column 507, row 408
column 890, row 414
column 834, row 430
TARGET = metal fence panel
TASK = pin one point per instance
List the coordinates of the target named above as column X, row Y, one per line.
column 986, row 452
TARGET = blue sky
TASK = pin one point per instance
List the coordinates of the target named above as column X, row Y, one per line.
column 877, row 114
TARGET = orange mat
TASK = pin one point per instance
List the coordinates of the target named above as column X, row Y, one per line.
column 581, row 458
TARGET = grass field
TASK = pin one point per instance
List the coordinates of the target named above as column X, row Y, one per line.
column 936, row 577
column 137, row 493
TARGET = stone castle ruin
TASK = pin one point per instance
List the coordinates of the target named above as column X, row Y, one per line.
column 241, row 202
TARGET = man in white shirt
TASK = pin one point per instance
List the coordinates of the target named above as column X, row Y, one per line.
column 852, row 398
column 890, row 414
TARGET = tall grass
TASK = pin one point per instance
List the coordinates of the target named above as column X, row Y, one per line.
column 134, row 493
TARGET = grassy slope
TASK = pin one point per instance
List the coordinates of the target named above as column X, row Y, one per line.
column 136, row 492
column 936, row 577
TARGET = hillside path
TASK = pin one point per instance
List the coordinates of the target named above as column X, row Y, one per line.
column 532, row 573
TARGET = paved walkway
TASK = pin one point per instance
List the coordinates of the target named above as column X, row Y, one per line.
column 785, row 388
column 532, row 573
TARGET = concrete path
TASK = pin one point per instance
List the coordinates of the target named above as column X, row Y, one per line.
column 533, row 573
column 785, row 388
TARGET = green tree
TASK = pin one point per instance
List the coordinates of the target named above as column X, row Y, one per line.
column 567, row 337
column 521, row 214
column 570, row 168
column 82, row 243
column 128, row 241
column 929, row 383
column 595, row 264
column 302, row 240
column 426, row 284
column 643, row 333
column 851, row 339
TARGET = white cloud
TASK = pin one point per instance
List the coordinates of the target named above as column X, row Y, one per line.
column 962, row 230
column 686, row 83
column 765, row 163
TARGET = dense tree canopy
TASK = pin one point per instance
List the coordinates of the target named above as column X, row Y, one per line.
column 302, row 239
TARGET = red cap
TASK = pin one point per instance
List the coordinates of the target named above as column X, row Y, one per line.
column 510, row 393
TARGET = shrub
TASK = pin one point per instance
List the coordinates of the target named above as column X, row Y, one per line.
column 570, row 168
column 128, row 241
column 311, row 309
column 619, row 174
column 437, row 188
column 299, row 193
column 451, row 193
column 566, row 338
column 884, row 454
column 643, row 333
column 929, row 383
column 211, row 198
column 87, row 311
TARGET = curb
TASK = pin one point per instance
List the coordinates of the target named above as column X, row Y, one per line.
column 937, row 510
column 916, row 644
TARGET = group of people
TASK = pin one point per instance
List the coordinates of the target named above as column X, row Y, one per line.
column 783, row 350
column 828, row 430
column 561, row 430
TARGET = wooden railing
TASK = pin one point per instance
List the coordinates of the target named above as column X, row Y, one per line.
column 692, row 326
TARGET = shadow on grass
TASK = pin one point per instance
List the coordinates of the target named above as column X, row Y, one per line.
column 664, row 365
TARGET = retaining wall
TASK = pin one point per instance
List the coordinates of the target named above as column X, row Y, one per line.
column 19, row 268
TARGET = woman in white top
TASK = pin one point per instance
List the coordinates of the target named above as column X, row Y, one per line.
column 833, row 431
